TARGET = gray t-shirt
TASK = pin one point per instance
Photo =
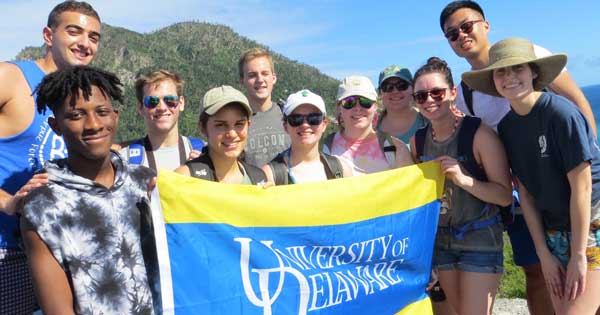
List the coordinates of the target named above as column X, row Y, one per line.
column 266, row 137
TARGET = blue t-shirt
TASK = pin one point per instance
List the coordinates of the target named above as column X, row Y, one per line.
column 543, row 146
column 25, row 153
column 419, row 123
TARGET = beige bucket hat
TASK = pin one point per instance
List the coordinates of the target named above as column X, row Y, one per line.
column 510, row 52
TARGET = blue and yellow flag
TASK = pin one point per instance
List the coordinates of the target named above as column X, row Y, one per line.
column 359, row 245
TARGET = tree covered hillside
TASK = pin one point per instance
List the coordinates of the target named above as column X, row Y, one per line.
column 205, row 55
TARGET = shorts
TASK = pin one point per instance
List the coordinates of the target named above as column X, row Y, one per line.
column 524, row 253
column 16, row 288
column 469, row 261
column 559, row 244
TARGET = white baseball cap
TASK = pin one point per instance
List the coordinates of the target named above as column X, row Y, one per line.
column 356, row 85
column 303, row 97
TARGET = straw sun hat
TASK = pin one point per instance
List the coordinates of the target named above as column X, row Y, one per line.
column 510, row 52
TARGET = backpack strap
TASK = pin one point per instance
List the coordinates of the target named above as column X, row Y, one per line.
column 468, row 96
column 280, row 173
column 459, row 232
column 420, row 142
column 333, row 166
column 387, row 147
column 466, row 136
column 197, row 144
column 202, row 167
column 135, row 152
column 328, row 143
column 256, row 174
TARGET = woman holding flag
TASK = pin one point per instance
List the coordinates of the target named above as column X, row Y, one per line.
column 468, row 246
column 305, row 121
column 367, row 150
column 224, row 120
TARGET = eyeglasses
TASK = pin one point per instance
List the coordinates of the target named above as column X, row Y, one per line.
column 400, row 86
column 436, row 94
column 466, row 27
column 152, row 101
column 313, row 119
column 350, row 101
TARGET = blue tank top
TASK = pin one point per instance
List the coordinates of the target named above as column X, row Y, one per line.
column 23, row 154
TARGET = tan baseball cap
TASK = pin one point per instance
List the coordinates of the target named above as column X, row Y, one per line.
column 217, row 98
column 356, row 85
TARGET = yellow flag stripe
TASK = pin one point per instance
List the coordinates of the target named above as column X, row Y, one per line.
column 299, row 205
column 422, row 307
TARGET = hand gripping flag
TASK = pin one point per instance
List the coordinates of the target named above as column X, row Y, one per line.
column 360, row 245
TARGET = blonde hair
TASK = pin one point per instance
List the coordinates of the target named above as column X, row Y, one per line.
column 251, row 54
column 154, row 78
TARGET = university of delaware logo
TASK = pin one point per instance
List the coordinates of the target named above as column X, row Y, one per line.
column 47, row 146
column 318, row 276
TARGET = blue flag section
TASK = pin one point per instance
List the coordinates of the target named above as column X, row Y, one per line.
column 360, row 245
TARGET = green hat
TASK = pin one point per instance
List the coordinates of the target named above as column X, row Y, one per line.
column 217, row 98
column 395, row 71
column 511, row 52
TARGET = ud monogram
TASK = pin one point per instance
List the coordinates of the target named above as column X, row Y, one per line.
column 266, row 300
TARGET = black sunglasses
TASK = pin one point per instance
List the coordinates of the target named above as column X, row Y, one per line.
column 350, row 101
column 400, row 86
column 437, row 95
column 313, row 119
column 152, row 101
column 466, row 27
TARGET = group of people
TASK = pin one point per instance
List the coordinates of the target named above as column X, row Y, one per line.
column 516, row 140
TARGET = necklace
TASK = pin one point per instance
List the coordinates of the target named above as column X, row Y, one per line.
column 453, row 129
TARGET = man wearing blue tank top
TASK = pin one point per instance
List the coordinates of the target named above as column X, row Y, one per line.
column 71, row 36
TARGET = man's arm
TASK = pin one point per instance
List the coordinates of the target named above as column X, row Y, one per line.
column 565, row 85
column 5, row 87
column 9, row 203
column 16, row 103
column 51, row 285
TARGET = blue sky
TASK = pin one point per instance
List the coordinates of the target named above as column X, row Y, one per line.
column 342, row 37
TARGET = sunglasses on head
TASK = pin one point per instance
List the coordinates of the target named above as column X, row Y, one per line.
column 437, row 95
column 400, row 86
column 313, row 119
column 171, row 101
column 350, row 101
column 466, row 27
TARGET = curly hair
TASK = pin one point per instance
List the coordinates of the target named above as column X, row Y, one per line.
column 68, row 83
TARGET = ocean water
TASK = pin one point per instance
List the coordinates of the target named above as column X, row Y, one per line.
column 592, row 92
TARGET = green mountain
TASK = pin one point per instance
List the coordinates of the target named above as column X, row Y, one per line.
column 205, row 55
